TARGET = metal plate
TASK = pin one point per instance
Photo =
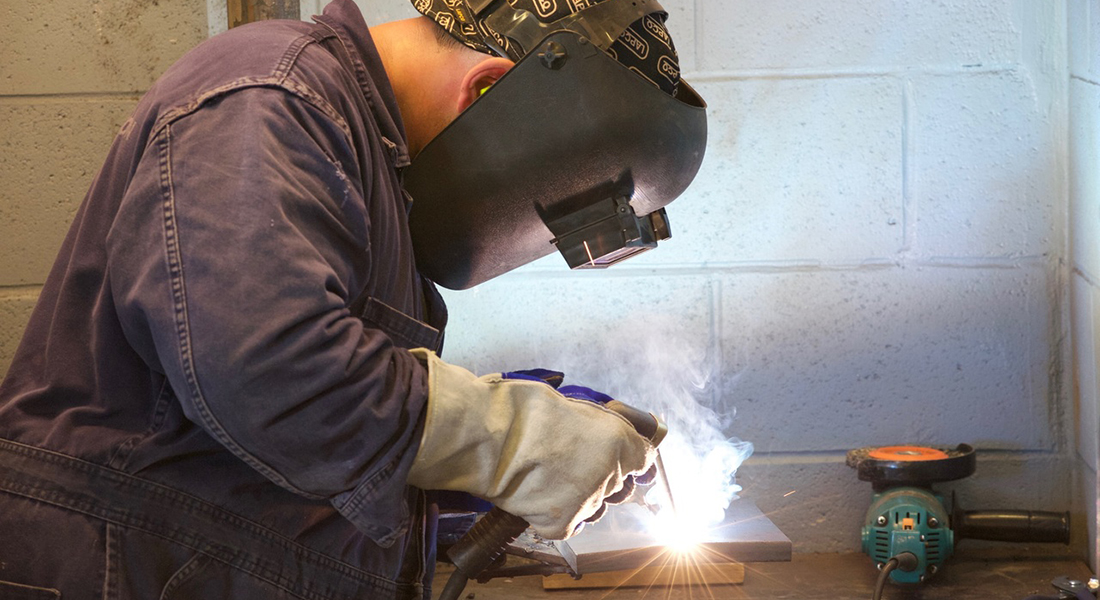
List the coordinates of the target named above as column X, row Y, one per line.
column 620, row 541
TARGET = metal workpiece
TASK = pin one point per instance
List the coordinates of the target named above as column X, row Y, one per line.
column 621, row 540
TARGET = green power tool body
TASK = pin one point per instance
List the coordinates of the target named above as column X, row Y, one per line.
column 908, row 519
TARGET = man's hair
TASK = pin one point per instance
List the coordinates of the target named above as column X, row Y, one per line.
column 445, row 39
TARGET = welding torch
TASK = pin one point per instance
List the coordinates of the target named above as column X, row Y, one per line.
column 490, row 536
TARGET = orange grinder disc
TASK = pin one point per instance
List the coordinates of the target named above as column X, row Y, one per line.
column 907, row 453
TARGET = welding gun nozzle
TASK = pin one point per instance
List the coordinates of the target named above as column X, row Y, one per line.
column 664, row 481
column 645, row 423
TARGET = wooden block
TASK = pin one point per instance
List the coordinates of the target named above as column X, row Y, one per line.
column 681, row 574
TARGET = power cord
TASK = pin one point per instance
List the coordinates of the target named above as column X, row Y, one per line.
column 906, row 561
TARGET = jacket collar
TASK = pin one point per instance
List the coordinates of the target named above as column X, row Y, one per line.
column 345, row 20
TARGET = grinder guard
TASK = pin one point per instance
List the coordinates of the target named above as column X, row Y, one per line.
column 567, row 128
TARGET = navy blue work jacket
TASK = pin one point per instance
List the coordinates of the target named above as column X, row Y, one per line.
column 224, row 332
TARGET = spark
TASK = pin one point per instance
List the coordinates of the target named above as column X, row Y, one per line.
column 789, row 493
column 670, row 568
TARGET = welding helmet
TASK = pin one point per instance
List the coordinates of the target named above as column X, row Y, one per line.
column 579, row 146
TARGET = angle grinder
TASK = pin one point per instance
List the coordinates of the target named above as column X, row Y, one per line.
column 489, row 537
column 907, row 530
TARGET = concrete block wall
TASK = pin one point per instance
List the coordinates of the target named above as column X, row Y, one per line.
column 69, row 75
column 1084, row 187
column 873, row 253
column 874, row 250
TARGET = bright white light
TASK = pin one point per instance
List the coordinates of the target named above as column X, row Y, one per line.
column 677, row 535
column 680, row 531
column 701, row 482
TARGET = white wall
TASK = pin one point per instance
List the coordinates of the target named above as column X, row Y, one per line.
column 874, row 250
column 872, row 253
column 1084, row 179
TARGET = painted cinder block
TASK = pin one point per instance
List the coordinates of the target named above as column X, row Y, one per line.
column 1084, row 176
column 1017, row 481
column 836, row 34
column 374, row 12
column 822, row 360
column 50, row 150
column 611, row 333
column 1085, row 323
column 15, row 311
column 985, row 175
column 1084, row 39
column 818, row 502
column 795, row 170
column 1094, row 42
column 108, row 46
column 1077, row 36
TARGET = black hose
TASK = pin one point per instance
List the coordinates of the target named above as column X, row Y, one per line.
column 906, row 561
column 455, row 585
column 883, row 576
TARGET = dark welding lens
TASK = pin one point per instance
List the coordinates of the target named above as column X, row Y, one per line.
column 606, row 233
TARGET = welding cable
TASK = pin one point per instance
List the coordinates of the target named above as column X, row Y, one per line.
column 883, row 576
column 906, row 561
column 455, row 585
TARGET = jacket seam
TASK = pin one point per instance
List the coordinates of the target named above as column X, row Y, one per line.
column 291, row 86
column 359, row 70
column 121, row 457
column 182, row 500
column 286, row 61
column 362, row 491
column 178, row 287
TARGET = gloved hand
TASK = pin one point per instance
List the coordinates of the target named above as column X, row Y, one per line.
column 542, row 456
column 555, row 379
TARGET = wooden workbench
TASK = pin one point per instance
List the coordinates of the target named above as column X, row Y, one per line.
column 970, row 575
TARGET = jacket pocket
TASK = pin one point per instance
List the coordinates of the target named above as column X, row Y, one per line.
column 405, row 331
column 15, row 591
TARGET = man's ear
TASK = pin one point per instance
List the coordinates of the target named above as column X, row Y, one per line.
column 479, row 77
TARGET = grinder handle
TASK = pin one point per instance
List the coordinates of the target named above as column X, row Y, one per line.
column 1012, row 525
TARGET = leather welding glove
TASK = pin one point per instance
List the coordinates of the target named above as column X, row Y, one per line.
column 520, row 444
column 555, row 379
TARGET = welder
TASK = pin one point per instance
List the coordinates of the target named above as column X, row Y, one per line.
column 231, row 387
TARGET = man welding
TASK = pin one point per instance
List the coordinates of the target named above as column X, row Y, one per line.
column 230, row 386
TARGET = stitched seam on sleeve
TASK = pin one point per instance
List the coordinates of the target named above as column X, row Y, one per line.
column 182, row 322
column 289, row 85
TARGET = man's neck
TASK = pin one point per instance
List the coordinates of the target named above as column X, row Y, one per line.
column 422, row 74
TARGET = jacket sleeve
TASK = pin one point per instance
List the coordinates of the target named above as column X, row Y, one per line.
column 238, row 249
